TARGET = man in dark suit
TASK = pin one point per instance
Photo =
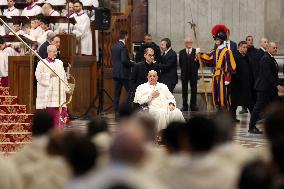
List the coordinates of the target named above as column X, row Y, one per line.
column 168, row 65
column 266, row 85
column 140, row 70
column 241, row 84
column 231, row 45
column 259, row 55
column 253, row 56
column 189, row 73
column 121, row 66
column 148, row 43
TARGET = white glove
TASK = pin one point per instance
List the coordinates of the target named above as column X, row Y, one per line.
column 197, row 50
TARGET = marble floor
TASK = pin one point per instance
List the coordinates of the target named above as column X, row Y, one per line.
column 251, row 141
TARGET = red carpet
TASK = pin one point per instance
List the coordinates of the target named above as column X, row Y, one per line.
column 15, row 130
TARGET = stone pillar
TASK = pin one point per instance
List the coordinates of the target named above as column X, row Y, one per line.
column 274, row 20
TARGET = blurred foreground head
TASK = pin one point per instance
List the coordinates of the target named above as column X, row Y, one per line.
column 42, row 123
column 174, row 137
column 128, row 143
column 256, row 174
column 274, row 121
column 225, row 126
column 201, row 133
column 79, row 152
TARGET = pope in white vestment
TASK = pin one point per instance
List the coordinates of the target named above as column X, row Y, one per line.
column 161, row 102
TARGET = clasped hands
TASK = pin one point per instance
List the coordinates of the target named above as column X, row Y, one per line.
column 155, row 94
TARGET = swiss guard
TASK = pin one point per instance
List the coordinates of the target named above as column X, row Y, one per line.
column 223, row 63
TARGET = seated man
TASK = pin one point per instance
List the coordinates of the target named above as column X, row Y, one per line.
column 161, row 102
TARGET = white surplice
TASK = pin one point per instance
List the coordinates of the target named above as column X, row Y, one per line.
column 32, row 10
column 83, row 31
column 4, row 54
column 56, row 2
column 11, row 12
column 35, row 33
column 41, row 39
column 158, row 107
column 2, row 30
column 48, row 87
column 63, row 27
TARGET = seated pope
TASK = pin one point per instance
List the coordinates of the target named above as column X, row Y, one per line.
column 160, row 101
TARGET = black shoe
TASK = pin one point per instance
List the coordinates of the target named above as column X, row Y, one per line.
column 255, row 131
column 194, row 109
column 184, row 109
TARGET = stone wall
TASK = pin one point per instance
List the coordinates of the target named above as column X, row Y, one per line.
column 274, row 21
column 169, row 18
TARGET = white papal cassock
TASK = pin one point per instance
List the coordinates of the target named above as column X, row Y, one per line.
column 158, row 107
column 48, row 87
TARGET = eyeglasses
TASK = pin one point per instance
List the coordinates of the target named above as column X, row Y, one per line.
column 151, row 55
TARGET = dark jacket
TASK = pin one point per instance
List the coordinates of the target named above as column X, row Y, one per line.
column 42, row 51
column 140, row 54
column 233, row 47
column 139, row 73
column 259, row 55
column 253, row 55
column 268, row 75
column 168, row 68
column 188, row 65
column 120, row 61
column 242, row 82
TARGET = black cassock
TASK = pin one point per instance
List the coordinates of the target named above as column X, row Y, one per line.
column 242, row 82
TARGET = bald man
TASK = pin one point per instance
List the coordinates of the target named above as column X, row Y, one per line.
column 48, row 10
column 189, row 73
column 260, row 53
column 161, row 102
column 266, row 85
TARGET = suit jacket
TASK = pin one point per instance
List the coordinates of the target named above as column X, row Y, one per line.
column 139, row 73
column 253, row 55
column 233, row 47
column 120, row 61
column 268, row 75
column 140, row 54
column 258, row 55
column 168, row 68
column 188, row 65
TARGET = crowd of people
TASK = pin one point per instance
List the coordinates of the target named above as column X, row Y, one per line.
column 242, row 75
column 199, row 153
column 40, row 24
